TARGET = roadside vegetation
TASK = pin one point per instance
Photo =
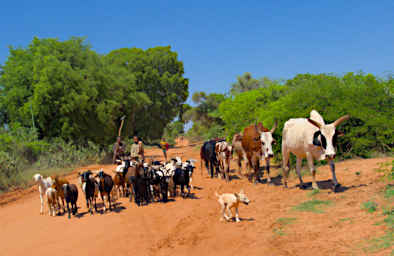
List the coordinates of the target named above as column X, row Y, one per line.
column 61, row 103
column 387, row 211
column 366, row 98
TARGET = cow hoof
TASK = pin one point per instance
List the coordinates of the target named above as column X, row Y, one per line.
column 336, row 187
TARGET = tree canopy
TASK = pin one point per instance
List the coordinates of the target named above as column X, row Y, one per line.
column 70, row 91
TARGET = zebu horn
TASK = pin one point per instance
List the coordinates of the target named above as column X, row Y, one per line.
column 274, row 127
column 340, row 120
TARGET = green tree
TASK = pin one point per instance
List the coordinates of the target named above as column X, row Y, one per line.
column 78, row 95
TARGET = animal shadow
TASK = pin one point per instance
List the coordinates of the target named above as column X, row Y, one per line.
column 81, row 214
column 277, row 181
column 329, row 185
column 198, row 188
column 169, row 200
column 246, row 219
column 192, row 196
column 234, row 177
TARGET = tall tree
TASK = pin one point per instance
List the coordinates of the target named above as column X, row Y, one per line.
column 74, row 93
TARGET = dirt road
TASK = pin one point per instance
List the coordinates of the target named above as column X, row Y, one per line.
column 269, row 226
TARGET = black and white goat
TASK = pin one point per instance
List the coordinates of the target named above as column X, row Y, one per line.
column 90, row 189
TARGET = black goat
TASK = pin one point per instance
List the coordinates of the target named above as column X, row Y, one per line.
column 105, row 186
column 71, row 196
column 89, row 187
column 140, row 184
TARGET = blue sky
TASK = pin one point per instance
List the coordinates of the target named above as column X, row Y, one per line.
column 218, row 40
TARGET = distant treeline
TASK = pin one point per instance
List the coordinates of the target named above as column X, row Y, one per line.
column 367, row 99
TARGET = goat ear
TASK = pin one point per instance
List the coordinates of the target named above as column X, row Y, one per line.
column 317, row 124
column 339, row 133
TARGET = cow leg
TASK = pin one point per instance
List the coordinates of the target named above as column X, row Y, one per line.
column 267, row 163
column 227, row 173
column 312, row 170
column 207, row 166
column 239, row 166
column 285, row 166
column 334, row 177
column 257, row 171
column 109, row 201
column 298, row 169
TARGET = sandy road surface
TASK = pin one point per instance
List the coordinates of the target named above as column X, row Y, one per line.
column 192, row 226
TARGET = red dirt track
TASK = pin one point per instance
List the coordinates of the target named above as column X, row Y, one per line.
column 192, row 226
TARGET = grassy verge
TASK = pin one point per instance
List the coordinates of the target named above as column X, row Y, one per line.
column 313, row 205
column 385, row 241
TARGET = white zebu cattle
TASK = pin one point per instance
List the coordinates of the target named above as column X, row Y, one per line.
column 312, row 139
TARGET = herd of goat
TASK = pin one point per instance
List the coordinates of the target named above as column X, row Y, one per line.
column 144, row 182
column 309, row 138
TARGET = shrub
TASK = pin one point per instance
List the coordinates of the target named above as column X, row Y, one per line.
column 369, row 206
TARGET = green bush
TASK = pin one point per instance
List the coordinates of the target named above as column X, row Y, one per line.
column 21, row 152
column 370, row 206
column 367, row 99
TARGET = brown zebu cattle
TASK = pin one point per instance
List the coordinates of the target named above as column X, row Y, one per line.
column 257, row 143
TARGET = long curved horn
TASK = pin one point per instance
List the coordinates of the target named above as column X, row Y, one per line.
column 274, row 127
column 317, row 124
column 340, row 120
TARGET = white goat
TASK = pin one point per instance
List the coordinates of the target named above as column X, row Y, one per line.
column 43, row 185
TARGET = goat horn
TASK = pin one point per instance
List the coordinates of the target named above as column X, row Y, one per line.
column 340, row 120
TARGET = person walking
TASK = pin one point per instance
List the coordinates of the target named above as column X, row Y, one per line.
column 118, row 149
column 164, row 146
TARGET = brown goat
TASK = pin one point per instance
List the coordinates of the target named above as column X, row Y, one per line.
column 58, row 183
column 120, row 184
